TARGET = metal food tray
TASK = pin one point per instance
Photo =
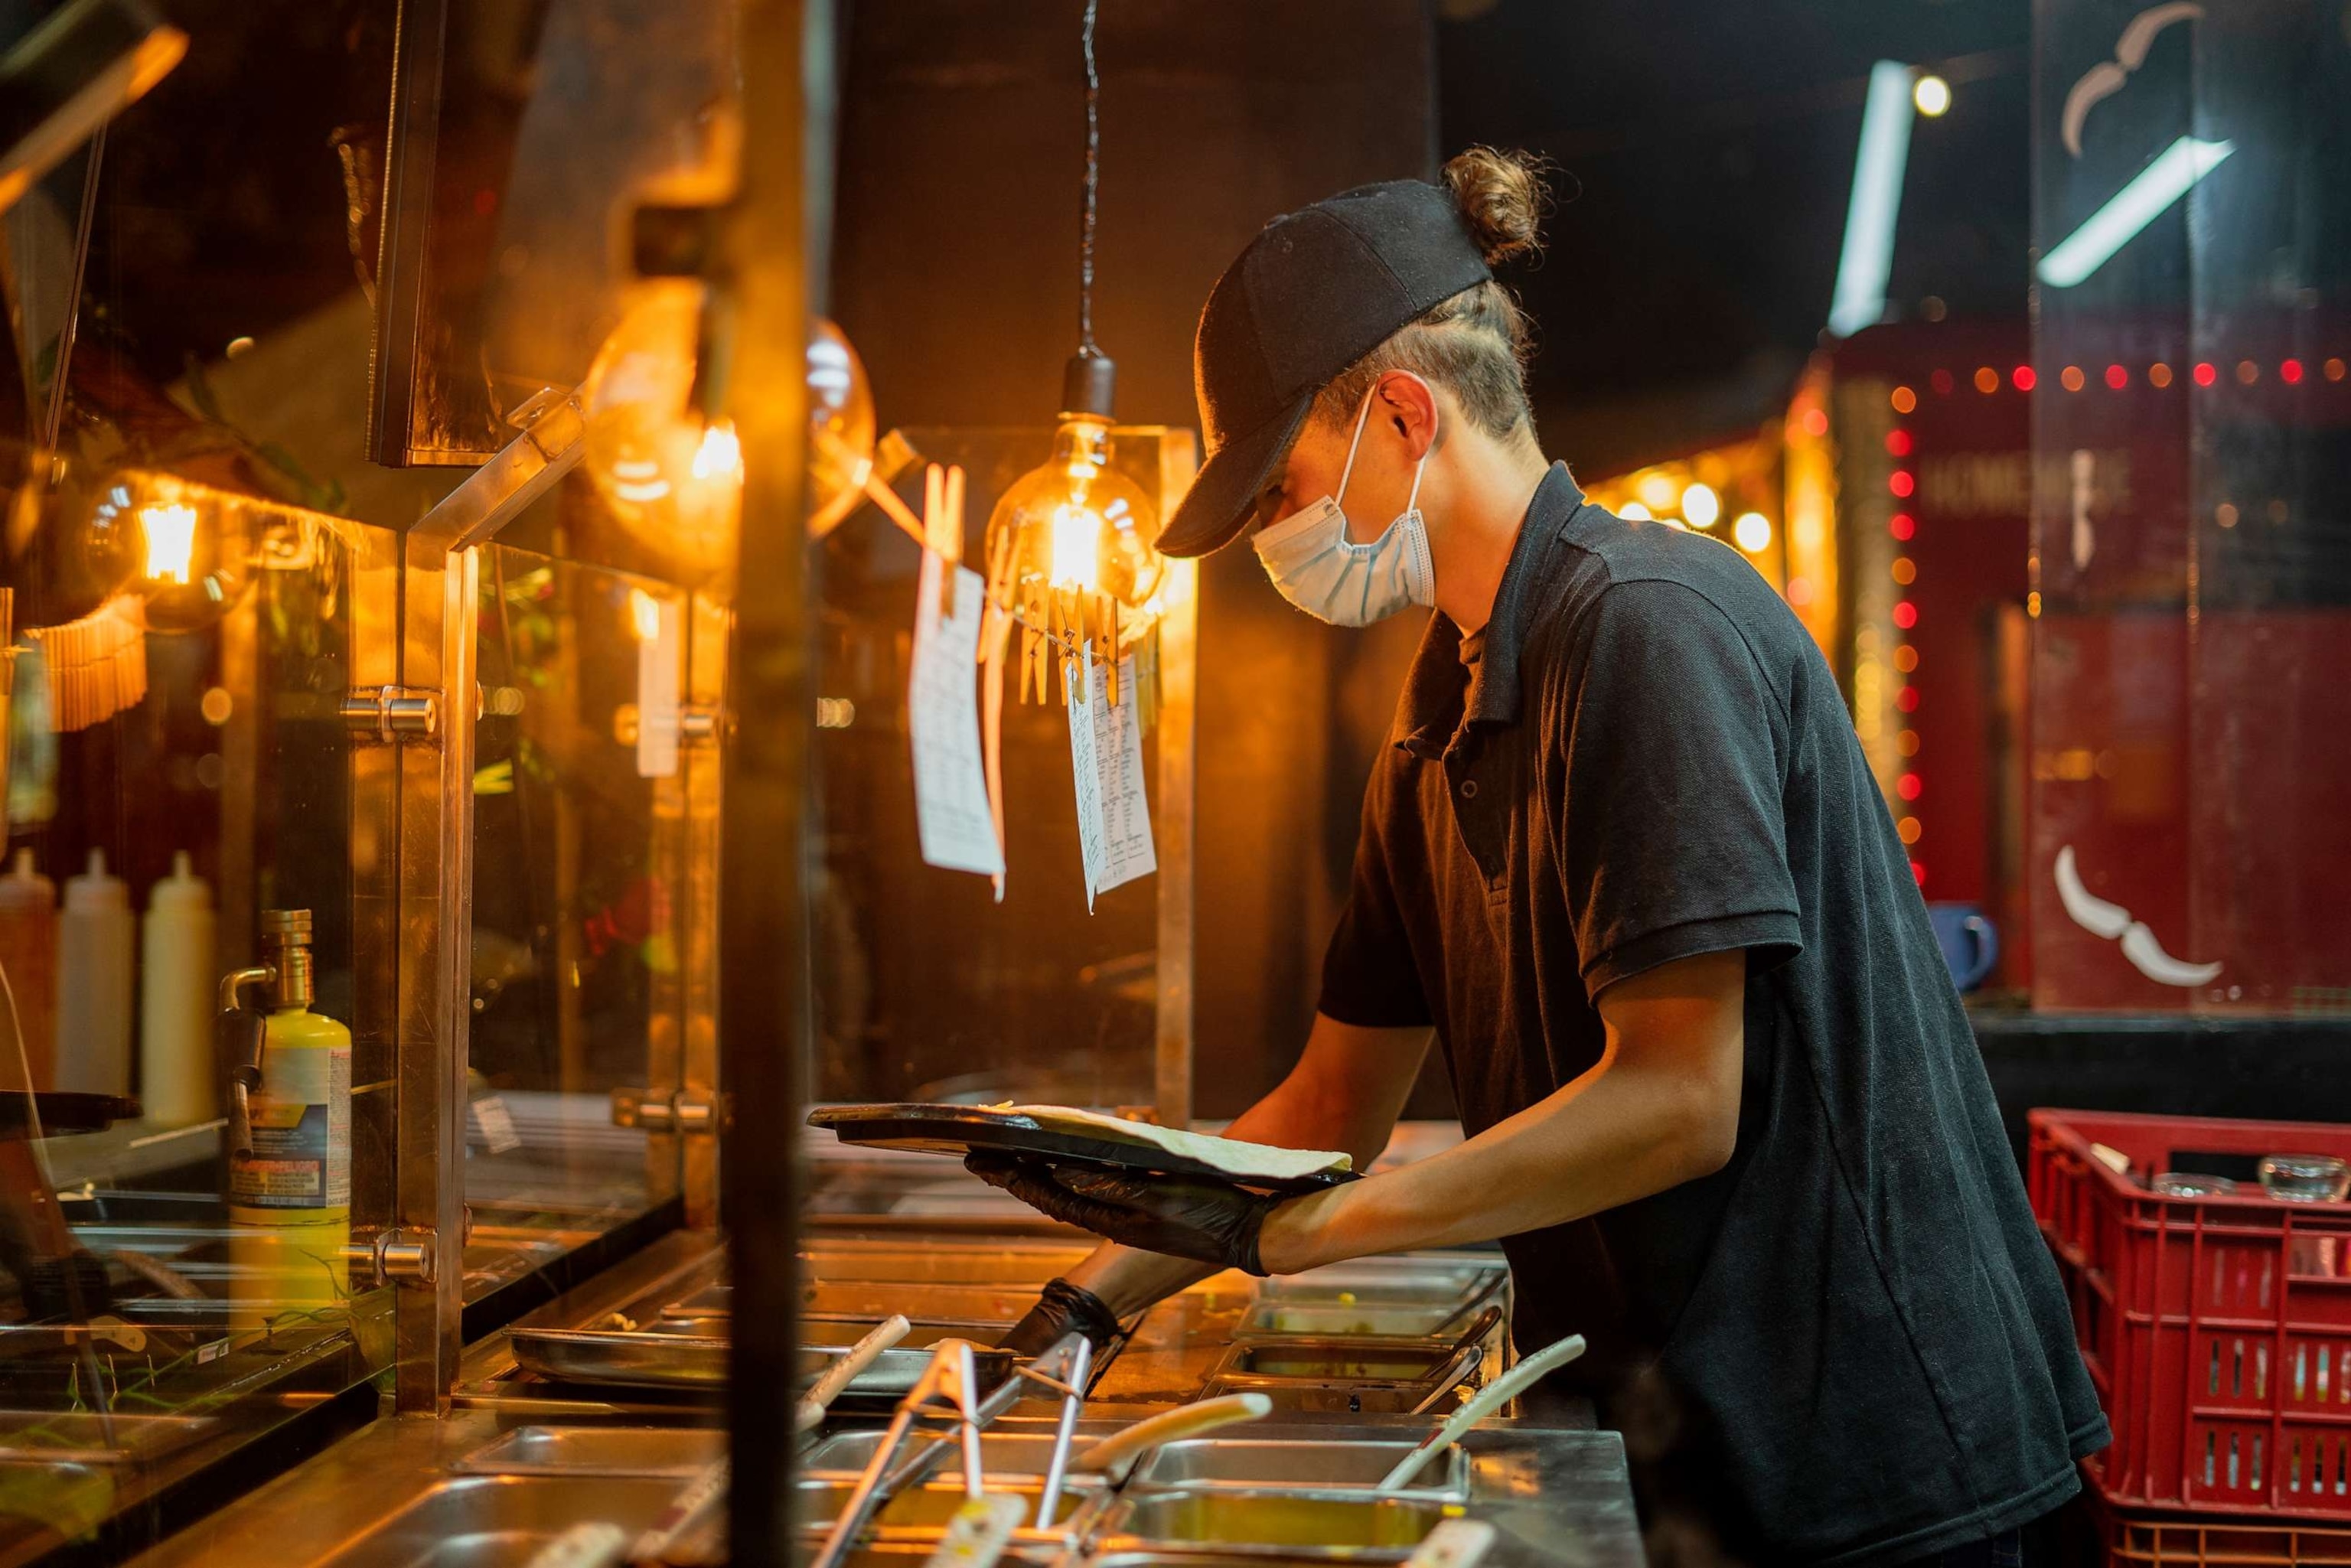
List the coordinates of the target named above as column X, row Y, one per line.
column 962, row 1129
column 692, row 1354
column 891, row 1374
column 659, row 1357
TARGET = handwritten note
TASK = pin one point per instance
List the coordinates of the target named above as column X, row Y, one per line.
column 1106, row 753
column 1086, row 768
column 959, row 831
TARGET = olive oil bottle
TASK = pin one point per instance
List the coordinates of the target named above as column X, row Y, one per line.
column 289, row 1170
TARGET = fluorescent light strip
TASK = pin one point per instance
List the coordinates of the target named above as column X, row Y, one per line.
column 1868, row 257
column 2173, row 173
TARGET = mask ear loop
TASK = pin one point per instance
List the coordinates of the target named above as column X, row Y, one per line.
column 1361, row 415
column 1356, row 441
column 1412, row 502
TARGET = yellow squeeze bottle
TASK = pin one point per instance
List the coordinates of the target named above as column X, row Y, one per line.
column 289, row 1176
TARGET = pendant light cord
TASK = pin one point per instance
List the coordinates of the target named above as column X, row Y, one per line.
column 1093, row 177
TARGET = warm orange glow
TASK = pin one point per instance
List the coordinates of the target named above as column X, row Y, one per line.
column 170, row 531
column 1077, row 547
column 1987, row 379
column 720, row 456
column 1905, row 400
column 645, row 611
column 2071, row 377
column 1910, row 829
column 1906, row 570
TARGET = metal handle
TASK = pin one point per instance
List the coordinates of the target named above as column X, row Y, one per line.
column 1114, row 1454
column 241, row 1034
column 681, row 1111
column 392, row 713
column 838, row 1375
column 409, row 1255
column 1492, row 1397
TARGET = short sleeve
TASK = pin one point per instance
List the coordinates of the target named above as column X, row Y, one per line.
column 1675, row 834
column 1368, row 976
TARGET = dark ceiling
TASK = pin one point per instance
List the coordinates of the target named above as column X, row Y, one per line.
column 1706, row 152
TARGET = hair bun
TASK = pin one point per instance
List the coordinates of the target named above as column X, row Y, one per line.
column 1501, row 198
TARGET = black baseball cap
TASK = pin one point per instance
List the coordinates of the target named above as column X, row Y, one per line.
column 1316, row 291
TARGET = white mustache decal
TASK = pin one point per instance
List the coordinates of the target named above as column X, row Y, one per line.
column 2106, row 77
column 2113, row 921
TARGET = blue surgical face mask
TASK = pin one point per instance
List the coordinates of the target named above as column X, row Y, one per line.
column 1315, row 566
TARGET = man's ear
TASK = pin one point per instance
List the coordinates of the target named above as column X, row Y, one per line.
column 1409, row 405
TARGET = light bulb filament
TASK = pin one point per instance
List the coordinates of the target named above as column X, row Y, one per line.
column 720, row 456
column 171, row 533
column 645, row 611
column 1077, row 547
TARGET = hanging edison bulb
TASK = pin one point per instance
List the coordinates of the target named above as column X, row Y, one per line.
column 190, row 547
column 1072, row 547
column 674, row 480
column 840, row 427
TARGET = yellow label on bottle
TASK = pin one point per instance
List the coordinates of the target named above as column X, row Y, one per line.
column 301, row 1119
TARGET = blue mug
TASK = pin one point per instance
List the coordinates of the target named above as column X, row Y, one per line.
column 1971, row 943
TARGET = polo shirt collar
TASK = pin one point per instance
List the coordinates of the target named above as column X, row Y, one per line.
column 1439, row 693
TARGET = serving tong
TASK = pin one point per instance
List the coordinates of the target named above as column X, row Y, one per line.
column 944, row 1409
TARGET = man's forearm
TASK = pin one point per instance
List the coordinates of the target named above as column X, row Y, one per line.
column 1661, row 1108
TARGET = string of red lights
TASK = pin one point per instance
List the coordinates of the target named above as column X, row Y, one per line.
column 1910, row 783
column 2118, row 377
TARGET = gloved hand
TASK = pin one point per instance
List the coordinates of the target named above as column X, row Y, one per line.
column 1060, row 1307
column 1206, row 1221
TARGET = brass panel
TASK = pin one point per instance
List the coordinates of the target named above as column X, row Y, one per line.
column 436, row 892
column 702, row 768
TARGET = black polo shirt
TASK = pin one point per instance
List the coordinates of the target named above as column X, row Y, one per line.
column 1854, row 1329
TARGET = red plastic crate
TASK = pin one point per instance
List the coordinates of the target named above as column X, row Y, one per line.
column 2126, row 1538
column 2218, row 1329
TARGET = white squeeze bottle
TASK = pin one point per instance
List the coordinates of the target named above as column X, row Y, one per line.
column 175, row 999
column 96, row 936
column 29, row 952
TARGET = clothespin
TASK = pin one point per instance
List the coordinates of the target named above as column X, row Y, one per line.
column 943, row 529
column 1106, row 623
column 1036, row 643
column 1072, row 619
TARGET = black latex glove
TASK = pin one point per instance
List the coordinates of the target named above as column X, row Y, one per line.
column 1062, row 1307
column 1206, row 1221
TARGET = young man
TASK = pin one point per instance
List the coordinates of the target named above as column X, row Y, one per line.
column 1724, row 1111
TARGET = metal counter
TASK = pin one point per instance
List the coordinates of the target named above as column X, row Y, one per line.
column 524, row 1456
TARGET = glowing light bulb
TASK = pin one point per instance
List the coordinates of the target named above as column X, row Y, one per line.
column 841, row 428
column 1634, row 512
column 1077, row 547
column 1655, row 490
column 1701, row 506
column 186, row 549
column 674, row 481
column 720, row 456
column 1077, row 523
column 1932, row 95
column 644, row 612
column 1751, row 532
column 170, row 531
